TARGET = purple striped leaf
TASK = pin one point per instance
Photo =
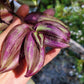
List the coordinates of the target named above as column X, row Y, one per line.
column 6, row 19
column 11, row 64
column 56, row 35
column 51, row 18
column 10, row 50
column 34, row 54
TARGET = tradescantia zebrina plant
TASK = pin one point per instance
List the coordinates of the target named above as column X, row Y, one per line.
column 38, row 31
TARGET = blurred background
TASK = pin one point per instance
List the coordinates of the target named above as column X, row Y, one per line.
column 68, row 66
